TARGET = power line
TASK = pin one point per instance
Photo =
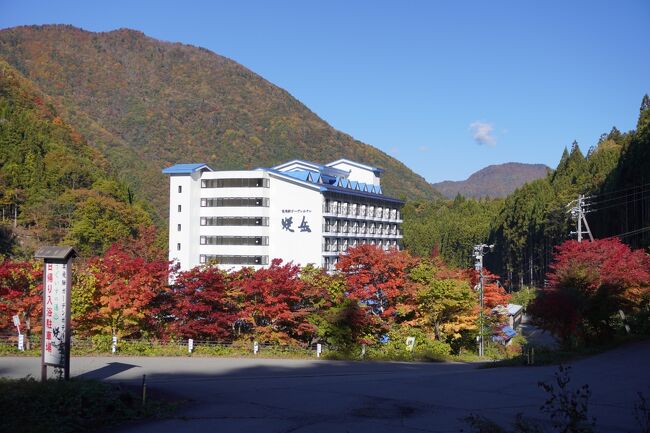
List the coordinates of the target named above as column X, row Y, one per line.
column 618, row 190
column 630, row 233
column 620, row 197
column 616, row 204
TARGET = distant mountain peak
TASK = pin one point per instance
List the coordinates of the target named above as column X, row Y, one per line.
column 497, row 180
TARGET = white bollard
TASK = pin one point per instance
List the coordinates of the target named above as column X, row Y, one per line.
column 319, row 350
column 21, row 342
column 256, row 347
column 190, row 345
column 114, row 344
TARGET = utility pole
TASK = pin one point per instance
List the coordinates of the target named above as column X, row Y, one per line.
column 479, row 252
column 578, row 211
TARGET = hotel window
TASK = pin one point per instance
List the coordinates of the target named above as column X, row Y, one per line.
column 234, row 240
column 234, row 260
column 178, row 228
column 235, row 202
column 234, row 221
column 180, row 189
column 179, row 207
column 178, row 247
column 235, row 183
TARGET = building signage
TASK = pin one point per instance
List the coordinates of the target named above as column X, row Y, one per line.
column 57, row 309
column 57, row 284
column 287, row 224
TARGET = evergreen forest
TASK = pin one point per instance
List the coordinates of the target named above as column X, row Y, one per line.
column 526, row 226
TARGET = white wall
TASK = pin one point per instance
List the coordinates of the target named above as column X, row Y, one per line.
column 358, row 174
column 187, row 218
column 289, row 200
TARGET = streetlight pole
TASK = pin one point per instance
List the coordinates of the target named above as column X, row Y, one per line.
column 479, row 252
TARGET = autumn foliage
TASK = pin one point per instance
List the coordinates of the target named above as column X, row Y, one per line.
column 590, row 282
column 131, row 292
column 21, row 288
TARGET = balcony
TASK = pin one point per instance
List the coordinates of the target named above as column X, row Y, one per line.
column 361, row 213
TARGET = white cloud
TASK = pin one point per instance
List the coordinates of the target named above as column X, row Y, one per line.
column 482, row 133
column 423, row 149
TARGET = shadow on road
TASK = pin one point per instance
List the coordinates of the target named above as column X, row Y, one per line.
column 107, row 371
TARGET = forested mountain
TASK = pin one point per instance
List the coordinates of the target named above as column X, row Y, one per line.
column 493, row 181
column 527, row 225
column 146, row 104
column 614, row 176
column 54, row 187
column 449, row 227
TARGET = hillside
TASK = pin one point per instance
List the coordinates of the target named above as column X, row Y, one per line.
column 146, row 104
column 54, row 187
column 493, row 181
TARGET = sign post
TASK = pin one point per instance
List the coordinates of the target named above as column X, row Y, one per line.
column 21, row 339
column 57, row 284
column 410, row 343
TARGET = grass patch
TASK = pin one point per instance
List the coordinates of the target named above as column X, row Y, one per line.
column 70, row 406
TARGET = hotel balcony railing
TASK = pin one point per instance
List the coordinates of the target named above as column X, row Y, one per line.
column 361, row 213
column 361, row 232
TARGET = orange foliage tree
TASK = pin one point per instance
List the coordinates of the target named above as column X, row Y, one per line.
column 377, row 279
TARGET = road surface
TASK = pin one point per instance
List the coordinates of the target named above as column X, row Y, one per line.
column 266, row 395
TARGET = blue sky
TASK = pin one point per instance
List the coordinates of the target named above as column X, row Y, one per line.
column 447, row 87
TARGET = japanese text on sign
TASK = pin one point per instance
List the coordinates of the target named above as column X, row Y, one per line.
column 287, row 224
column 55, row 293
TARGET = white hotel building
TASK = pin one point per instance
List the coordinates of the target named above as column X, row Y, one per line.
column 297, row 211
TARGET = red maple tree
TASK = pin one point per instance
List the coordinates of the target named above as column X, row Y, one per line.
column 203, row 307
column 127, row 293
column 378, row 281
column 271, row 303
column 21, row 293
column 589, row 283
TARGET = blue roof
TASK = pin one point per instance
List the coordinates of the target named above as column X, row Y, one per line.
column 303, row 175
column 331, row 180
column 506, row 334
column 185, row 168
column 348, row 191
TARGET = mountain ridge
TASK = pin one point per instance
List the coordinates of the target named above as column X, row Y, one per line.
column 496, row 180
column 147, row 104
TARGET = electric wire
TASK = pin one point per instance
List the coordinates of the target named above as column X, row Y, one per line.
column 630, row 233
column 620, row 197
column 616, row 204
column 618, row 190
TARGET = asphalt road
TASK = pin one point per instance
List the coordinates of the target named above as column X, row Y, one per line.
column 265, row 395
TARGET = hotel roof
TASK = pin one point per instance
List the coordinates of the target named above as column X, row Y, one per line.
column 186, row 168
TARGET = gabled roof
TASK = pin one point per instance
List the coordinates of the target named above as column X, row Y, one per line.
column 362, row 193
column 186, row 168
column 377, row 170
column 306, row 176
column 312, row 166
column 53, row 252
